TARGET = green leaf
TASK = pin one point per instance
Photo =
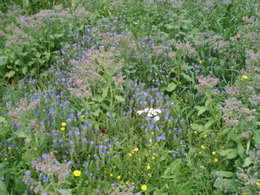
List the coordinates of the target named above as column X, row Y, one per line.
column 174, row 167
column 229, row 153
column 228, row 185
column 10, row 74
column 223, row 173
column 171, row 87
column 198, row 127
column 201, row 109
column 209, row 123
column 240, row 150
column 2, row 119
column 169, row 26
column 247, row 162
column 119, row 98
column 187, row 77
column 3, row 60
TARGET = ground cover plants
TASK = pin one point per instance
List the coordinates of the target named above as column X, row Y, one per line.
column 129, row 97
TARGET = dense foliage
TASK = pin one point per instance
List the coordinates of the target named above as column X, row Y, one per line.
column 129, row 97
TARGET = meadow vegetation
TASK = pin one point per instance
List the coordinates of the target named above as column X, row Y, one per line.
column 128, row 97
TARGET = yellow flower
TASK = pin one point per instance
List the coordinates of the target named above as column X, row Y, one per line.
column 244, row 193
column 149, row 175
column 215, row 160
column 5, row 158
column 203, row 147
column 129, row 154
column 238, row 35
column 62, row 128
column 146, row 154
column 148, row 167
column 200, row 61
column 76, row 173
column 200, row 153
column 257, row 183
column 244, row 77
column 63, row 124
column 153, row 157
column 126, row 183
column 196, row 132
column 213, row 153
column 118, row 177
column 9, row 148
column 152, row 133
column 144, row 187
column 111, row 175
column 205, row 135
column 136, row 149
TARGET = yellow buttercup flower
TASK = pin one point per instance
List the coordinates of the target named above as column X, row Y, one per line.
column 62, row 128
column 195, row 132
column 153, row 157
column 205, row 136
column 203, row 147
column 144, row 187
column 126, row 183
column 63, row 124
column 200, row 153
column 136, row 149
column 200, row 61
column 148, row 167
column 76, row 173
column 238, row 35
column 111, row 175
column 118, row 177
column 257, row 183
column 244, row 77
column 129, row 154
column 213, row 153
column 215, row 160
column 149, row 175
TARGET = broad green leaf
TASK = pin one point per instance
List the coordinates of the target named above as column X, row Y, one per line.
column 240, row 150
column 201, row 109
column 209, row 123
column 187, row 77
column 2, row 119
column 229, row 153
column 169, row 26
column 247, row 162
column 223, row 173
column 10, row 74
column 198, row 127
column 171, row 87
column 119, row 98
